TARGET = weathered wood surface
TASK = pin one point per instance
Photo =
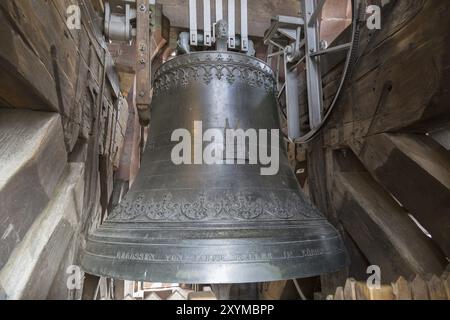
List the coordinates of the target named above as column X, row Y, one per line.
column 68, row 76
column 387, row 91
column 130, row 160
column 50, row 67
column 273, row 290
column 442, row 136
column 278, row 290
column 31, row 270
column 392, row 120
column 33, row 158
column 416, row 171
column 382, row 229
column 400, row 289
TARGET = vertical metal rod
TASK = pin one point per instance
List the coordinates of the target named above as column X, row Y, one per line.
column 277, row 71
column 231, row 24
column 269, row 52
column 244, row 25
column 317, row 12
column 313, row 75
column 292, row 101
column 207, row 22
column 219, row 10
column 193, row 21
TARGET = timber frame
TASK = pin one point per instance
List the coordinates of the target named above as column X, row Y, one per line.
column 379, row 169
column 381, row 166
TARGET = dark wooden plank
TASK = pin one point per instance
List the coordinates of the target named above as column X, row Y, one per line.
column 416, row 170
column 33, row 159
column 408, row 38
column 382, row 229
column 25, row 81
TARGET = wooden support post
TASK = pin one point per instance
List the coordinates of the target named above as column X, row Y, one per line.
column 364, row 292
column 382, row 229
column 339, row 295
column 143, row 72
column 274, row 290
column 415, row 169
column 402, row 289
column 419, row 289
column 436, row 289
column 350, row 289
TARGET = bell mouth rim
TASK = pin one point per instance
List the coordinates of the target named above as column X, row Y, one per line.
column 159, row 70
column 253, row 267
column 250, row 273
column 257, row 258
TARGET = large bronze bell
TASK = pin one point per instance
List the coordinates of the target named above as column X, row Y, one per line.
column 219, row 223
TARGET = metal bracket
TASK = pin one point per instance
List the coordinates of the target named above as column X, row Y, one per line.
column 313, row 75
column 298, row 41
column 117, row 23
column 285, row 35
column 208, row 37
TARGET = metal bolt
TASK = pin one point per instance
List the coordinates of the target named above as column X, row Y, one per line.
column 142, row 7
column 142, row 61
column 142, row 94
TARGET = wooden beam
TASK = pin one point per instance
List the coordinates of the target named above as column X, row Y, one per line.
column 415, row 169
column 143, row 74
column 33, row 160
column 274, row 290
column 25, row 81
column 385, row 94
column 382, row 229
column 124, row 56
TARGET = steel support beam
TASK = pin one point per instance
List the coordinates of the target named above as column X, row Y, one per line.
column 244, row 25
column 207, row 22
column 313, row 75
column 341, row 47
column 219, row 10
column 231, row 24
column 193, row 22
column 316, row 13
column 280, row 22
column 292, row 101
